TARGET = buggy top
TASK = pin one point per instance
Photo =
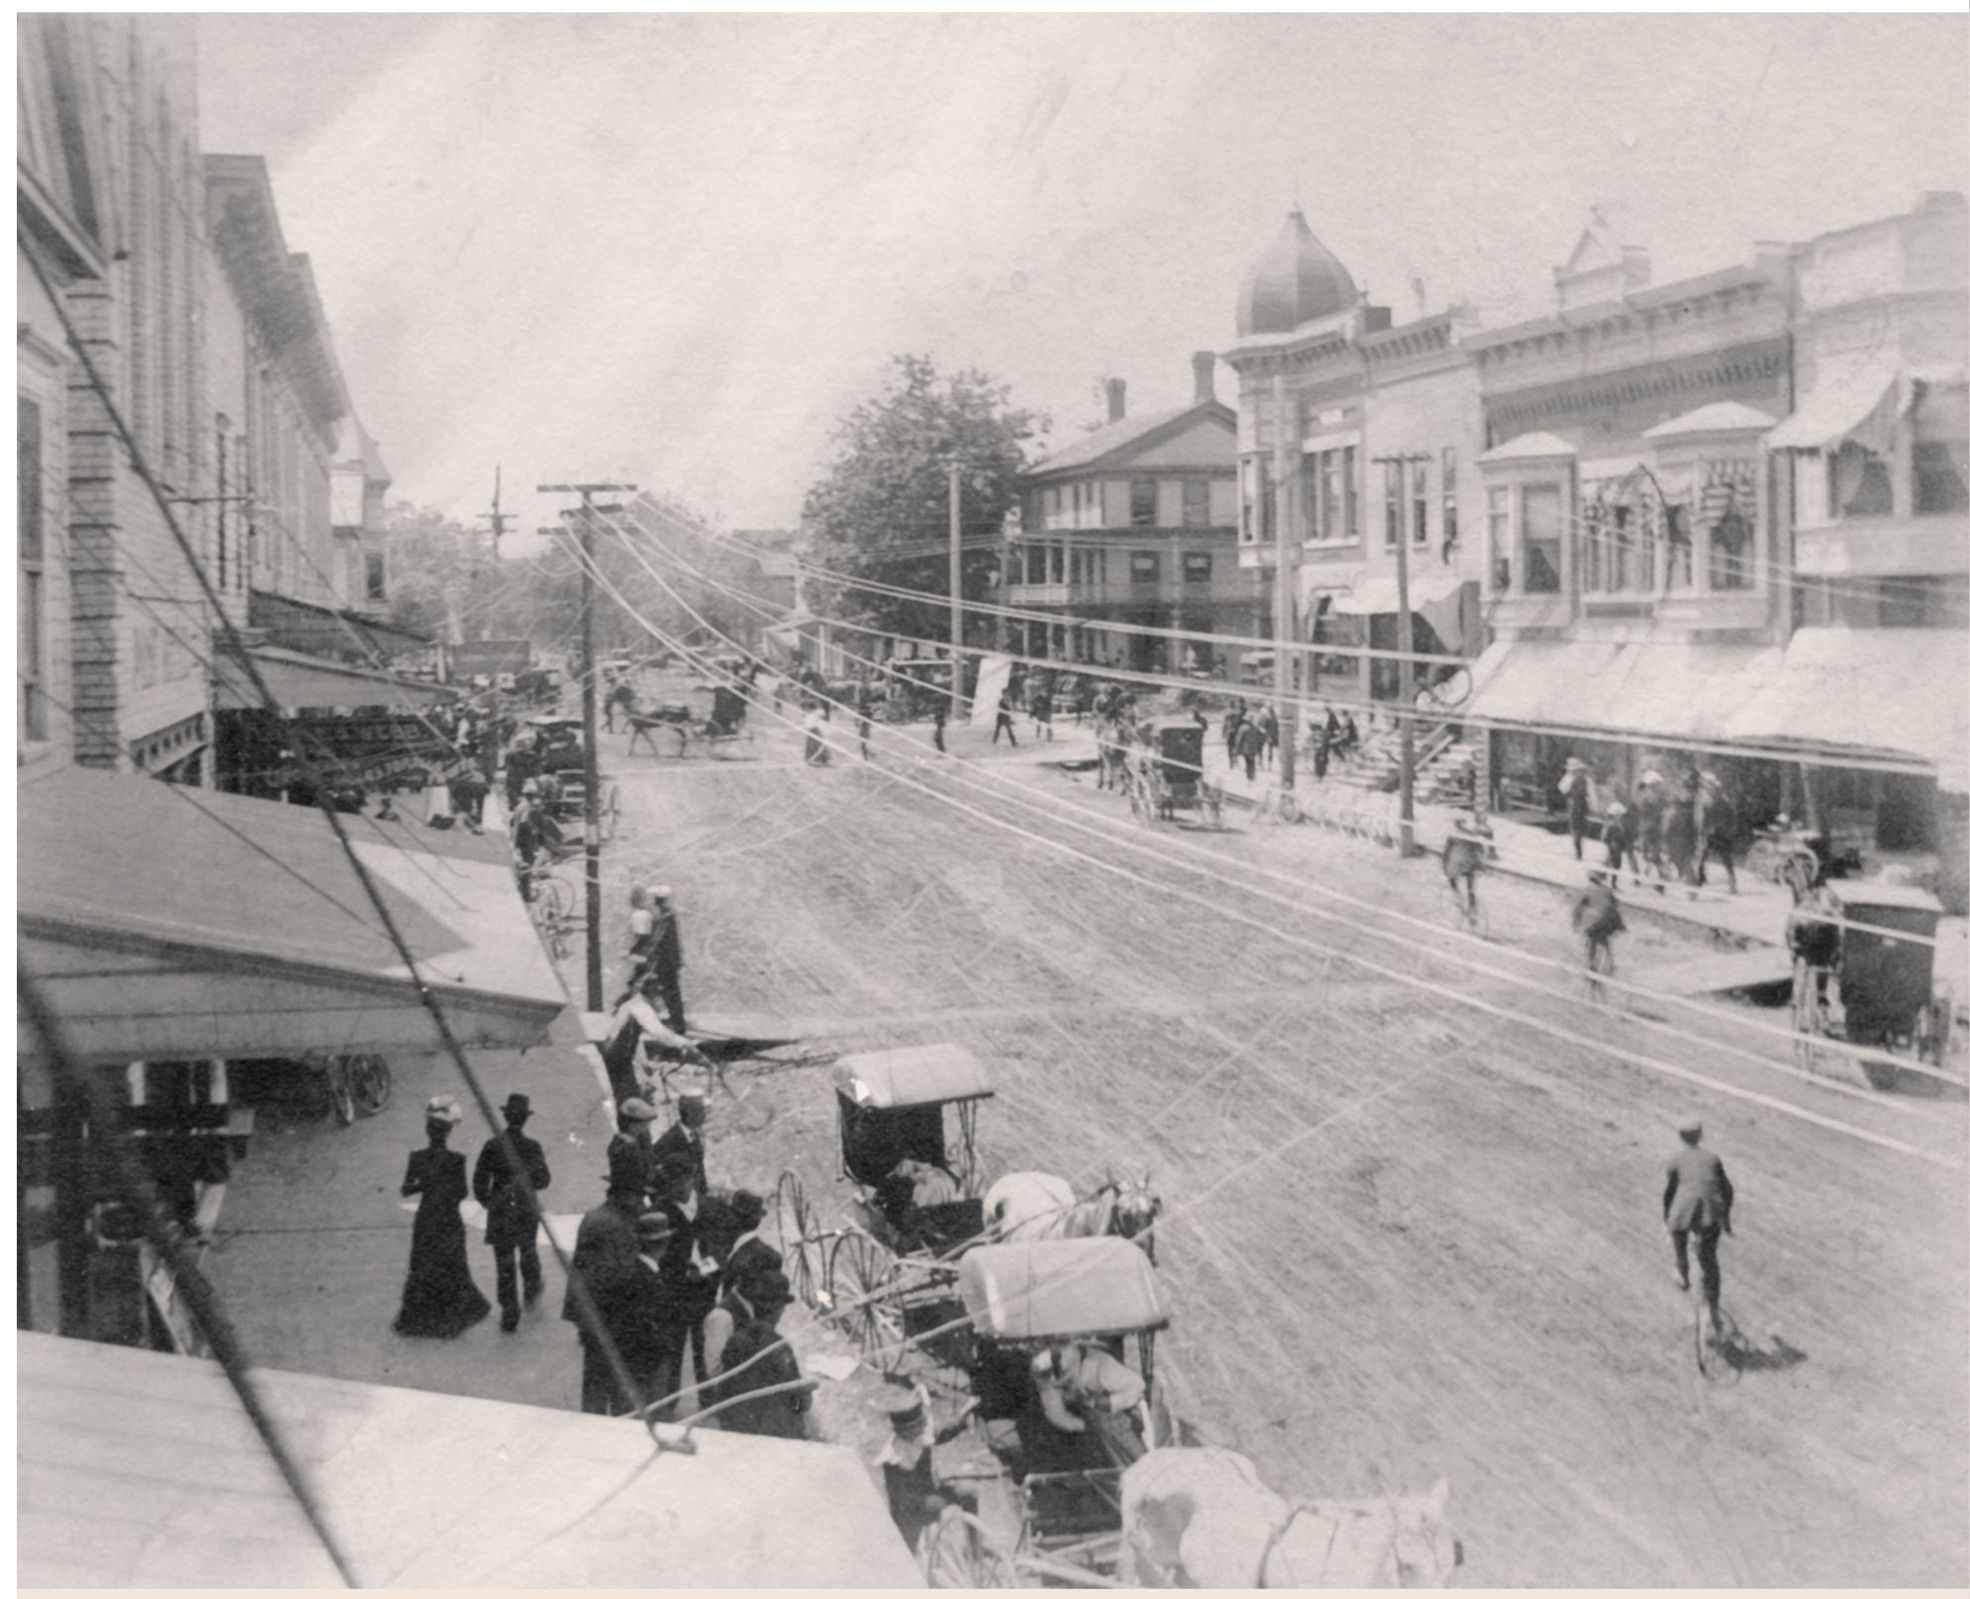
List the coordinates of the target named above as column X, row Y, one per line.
column 1058, row 1288
column 926, row 1074
column 1878, row 897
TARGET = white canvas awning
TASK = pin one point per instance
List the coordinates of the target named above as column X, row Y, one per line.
column 1855, row 403
column 140, row 1470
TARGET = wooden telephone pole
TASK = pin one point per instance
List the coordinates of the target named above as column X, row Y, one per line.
column 587, row 517
column 1405, row 668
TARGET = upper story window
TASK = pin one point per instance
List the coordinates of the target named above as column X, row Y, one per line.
column 1391, row 504
column 1942, row 438
column 1142, row 502
column 1541, row 528
column 1419, row 502
column 1727, row 509
column 1858, row 483
column 1196, row 502
column 375, row 584
column 1144, row 566
column 1449, row 501
column 1197, row 566
column 32, row 712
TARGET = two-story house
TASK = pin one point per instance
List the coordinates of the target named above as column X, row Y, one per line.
column 1136, row 524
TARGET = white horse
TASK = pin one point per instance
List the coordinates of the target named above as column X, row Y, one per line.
column 1032, row 1204
column 1201, row 1518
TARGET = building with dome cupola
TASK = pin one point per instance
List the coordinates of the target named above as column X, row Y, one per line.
column 1328, row 385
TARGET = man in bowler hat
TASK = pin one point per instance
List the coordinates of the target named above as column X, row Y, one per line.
column 512, row 1218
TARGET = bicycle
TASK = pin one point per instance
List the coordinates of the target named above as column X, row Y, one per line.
column 1718, row 1347
column 552, row 907
column 1470, row 915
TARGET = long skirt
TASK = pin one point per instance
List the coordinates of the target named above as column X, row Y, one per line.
column 440, row 1298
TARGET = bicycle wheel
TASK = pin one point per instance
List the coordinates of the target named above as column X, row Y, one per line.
column 369, row 1083
column 1807, row 1017
column 1716, row 1350
column 861, row 1291
column 555, row 899
column 797, row 1253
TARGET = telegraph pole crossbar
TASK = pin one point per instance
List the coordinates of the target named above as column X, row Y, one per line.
column 591, row 768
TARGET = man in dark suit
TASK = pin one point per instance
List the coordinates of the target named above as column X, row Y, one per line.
column 512, row 1218
column 606, row 1249
column 666, row 956
column 1697, row 1199
column 683, row 1141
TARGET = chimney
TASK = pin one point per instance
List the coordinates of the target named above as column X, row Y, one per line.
column 1118, row 399
column 1203, row 367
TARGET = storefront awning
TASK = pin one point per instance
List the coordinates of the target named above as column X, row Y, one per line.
column 1855, row 403
column 308, row 683
column 420, row 1490
column 1886, row 695
column 1887, row 691
column 179, row 924
column 1376, row 595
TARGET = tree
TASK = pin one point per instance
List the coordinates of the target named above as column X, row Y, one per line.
column 883, row 512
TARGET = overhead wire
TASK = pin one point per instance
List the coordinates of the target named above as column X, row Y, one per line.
column 1599, row 1046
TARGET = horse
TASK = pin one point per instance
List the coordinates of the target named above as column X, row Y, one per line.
column 1202, row 1518
column 1033, row 1205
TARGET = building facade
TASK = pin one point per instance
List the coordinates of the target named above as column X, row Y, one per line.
column 114, row 631
column 1136, row 523
column 1357, row 437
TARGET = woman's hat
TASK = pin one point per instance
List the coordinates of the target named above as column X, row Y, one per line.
column 636, row 1110
column 443, row 1108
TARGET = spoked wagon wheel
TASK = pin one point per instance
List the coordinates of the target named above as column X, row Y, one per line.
column 369, row 1083
column 956, row 1551
column 862, row 1290
column 611, row 810
column 798, row 1251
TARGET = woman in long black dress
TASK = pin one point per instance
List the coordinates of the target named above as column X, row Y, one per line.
column 440, row 1298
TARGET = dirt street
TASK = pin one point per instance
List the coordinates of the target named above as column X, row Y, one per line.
column 1405, row 1237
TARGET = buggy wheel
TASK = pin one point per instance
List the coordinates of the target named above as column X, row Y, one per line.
column 798, row 1251
column 340, row 1099
column 862, row 1293
column 957, row 1551
column 369, row 1083
column 611, row 810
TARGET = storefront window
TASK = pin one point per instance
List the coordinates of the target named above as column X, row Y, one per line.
column 1942, row 440
column 1540, row 532
column 1859, row 483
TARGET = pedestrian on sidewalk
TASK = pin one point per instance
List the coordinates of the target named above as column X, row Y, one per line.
column 1269, row 726
column 1003, row 723
column 512, row 1215
column 606, row 1246
column 651, row 1318
column 1323, row 746
column 632, row 1157
column 468, row 794
column 666, row 956
column 1043, row 714
column 757, row 1357
column 1251, row 744
column 1615, row 834
column 440, row 1299
column 939, row 714
column 815, row 728
column 1233, row 720
column 863, row 730
column 683, row 1141
column 1577, row 789
column 1350, row 736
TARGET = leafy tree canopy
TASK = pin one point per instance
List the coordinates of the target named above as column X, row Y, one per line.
column 883, row 509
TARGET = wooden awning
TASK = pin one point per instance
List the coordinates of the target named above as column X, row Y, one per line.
column 309, row 683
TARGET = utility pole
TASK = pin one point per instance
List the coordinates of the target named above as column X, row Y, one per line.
column 1405, row 668
column 591, row 770
column 956, row 470
column 1285, row 560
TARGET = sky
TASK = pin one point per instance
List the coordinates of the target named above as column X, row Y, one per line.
column 673, row 249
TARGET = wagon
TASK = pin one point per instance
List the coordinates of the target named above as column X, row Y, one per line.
column 1176, row 776
column 720, row 731
column 887, row 1272
column 1855, row 979
column 558, row 742
column 1052, row 1513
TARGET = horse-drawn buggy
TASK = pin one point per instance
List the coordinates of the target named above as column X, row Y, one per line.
column 1863, row 970
column 1062, row 1371
column 888, row 1272
column 558, row 754
column 1168, row 776
column 720, row 730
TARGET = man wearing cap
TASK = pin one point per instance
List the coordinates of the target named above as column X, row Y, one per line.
column 1082, row 1388
column 512, row 1217
column 1697, row 1199
column 606, row 1248
column 757, row 1357
column 665, row 955
column 908, row 1474
column 683, row 1141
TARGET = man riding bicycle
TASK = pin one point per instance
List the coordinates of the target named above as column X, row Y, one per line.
column 1464, row 853
column 1597, row 917
column 1697, row 1199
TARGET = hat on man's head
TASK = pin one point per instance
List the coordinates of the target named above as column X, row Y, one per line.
column 443, row 1108
column 518, row 1107
column 660, row 891
column 767, row 1291
column 1690, row 1125
column 636, row 1110
column 653, row 1227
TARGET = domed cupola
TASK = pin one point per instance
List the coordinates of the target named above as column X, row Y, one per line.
column 1298, row 279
